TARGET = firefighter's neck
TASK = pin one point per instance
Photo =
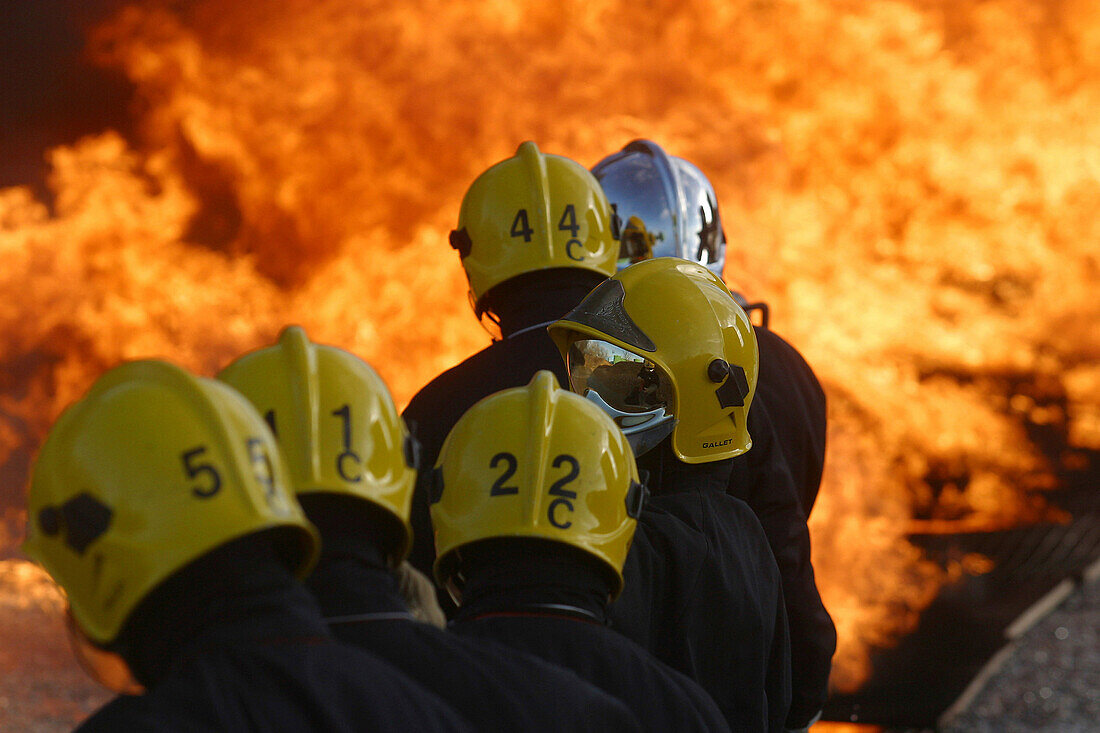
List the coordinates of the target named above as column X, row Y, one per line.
column 667, row 474
column 530, row 581
column 236, row 592
column 528, row 302
column 353, row 575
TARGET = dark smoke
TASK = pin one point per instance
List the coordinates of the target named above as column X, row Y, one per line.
column 50, row 94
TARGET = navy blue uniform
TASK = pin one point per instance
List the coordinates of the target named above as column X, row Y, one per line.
column 438, row 405
column 703, row 594
column 255, row 655
column 554, row 607
column 793, row 397
column 761, row 478
column 495, row 687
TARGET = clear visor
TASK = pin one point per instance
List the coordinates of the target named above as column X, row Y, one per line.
column 624, row 380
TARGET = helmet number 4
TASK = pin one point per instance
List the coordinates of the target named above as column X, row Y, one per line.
column 568, row 223
column 563, row 497
column 521, row 227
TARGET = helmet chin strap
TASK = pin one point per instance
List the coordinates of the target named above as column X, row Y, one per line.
column 105, row 667
column 643, row 430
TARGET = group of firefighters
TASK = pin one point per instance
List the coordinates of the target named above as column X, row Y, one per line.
column 250, row 552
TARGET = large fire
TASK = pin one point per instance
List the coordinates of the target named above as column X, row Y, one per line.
column 911, row 184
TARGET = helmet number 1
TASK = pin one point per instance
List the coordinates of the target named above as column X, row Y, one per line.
column 347, row 454
column 210, row 475
column 565, row 496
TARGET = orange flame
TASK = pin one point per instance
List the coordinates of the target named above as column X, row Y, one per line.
column 911, row 184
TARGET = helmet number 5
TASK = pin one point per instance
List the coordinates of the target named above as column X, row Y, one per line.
column 565, row 496
column 213, row 480
column 262, row 468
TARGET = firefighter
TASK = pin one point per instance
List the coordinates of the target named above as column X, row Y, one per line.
column 673, row 322
column 352, row 463
column 674, row 204
column 780, row 477
column 537, row 497
column 158, row 503
column 534, row 235
column 521, row 278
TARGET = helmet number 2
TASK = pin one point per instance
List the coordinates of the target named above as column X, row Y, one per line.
column 213, row 480
column 565, row 496
column 499, row 489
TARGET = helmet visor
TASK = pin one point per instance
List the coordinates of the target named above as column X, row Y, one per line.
column 624, row 380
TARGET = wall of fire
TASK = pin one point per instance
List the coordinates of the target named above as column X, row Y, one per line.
column 912, row 184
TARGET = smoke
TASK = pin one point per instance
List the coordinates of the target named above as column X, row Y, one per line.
column 50, row 92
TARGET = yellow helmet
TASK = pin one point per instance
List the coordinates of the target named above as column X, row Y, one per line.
column 536, row 462
column 336, row 423
column 532, row 212
column 153, row 469
column 664, row 347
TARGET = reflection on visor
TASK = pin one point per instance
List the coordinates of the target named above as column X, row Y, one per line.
column 624, row 380
column 635, row 243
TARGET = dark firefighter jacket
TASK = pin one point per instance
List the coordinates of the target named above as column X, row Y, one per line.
column 790, row 392
column 761, row 477
column 496, row 688
column 703, row 594
column 440, row 403
column 554, row 607
column 255, row 655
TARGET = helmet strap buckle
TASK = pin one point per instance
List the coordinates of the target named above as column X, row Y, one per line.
column 637, row 495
